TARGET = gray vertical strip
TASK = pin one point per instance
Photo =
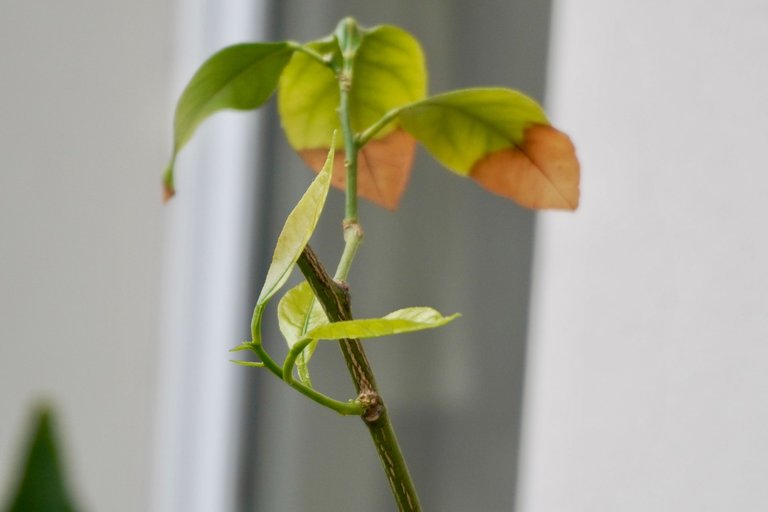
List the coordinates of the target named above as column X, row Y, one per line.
column 199, row 408
column 455, row 393
column 252, row 467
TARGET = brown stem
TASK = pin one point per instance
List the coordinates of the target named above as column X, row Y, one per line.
column 335, row 299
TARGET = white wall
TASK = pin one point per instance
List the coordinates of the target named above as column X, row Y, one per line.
column 649, row 345
column 85, row 112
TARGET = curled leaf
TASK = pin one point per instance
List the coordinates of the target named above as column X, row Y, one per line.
column 298, row 313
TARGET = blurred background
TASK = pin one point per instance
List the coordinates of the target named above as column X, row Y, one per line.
column 611, row 359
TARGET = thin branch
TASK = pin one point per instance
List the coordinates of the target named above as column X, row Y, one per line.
column 335, row 299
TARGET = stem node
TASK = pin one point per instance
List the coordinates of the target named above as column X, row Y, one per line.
column 345, row 81
column 352, row 228
column 371, row 402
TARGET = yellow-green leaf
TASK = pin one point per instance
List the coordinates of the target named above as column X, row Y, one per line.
column 397, row 322
column 240, row 77
column 502, row 139
column 308, row 98
column 297, row 231
column 389, row 72
column 298, row 313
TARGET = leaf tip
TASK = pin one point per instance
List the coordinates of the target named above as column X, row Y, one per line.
column 168, row 193
column 168, row 186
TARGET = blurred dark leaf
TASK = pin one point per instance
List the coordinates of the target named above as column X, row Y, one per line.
column 41, row 486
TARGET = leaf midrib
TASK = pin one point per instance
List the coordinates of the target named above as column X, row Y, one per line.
column 202, row 107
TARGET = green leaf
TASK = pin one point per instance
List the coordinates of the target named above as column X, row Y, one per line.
column 308, row 97
column 502, row 139
column 397, row 322
column 389, row 71
column 297, row 231
column 42, row 485
column 240, row 77
column 298, row 313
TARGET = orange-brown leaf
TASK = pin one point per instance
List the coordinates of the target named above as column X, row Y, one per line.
column 383, row 167
column 542, row 173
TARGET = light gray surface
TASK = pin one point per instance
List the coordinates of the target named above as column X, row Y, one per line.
column 84, row 115
column 649, row 343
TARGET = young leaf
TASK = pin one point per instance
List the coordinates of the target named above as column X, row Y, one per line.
column 502, row 139
column 308, row 98
column 297, row 231
column 389, row 72
column 240, row 77
column 397, row 322
column 297, row 313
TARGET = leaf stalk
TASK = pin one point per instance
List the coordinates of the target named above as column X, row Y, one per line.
column 306, row 50
column 370, row 132
column 350, row 145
